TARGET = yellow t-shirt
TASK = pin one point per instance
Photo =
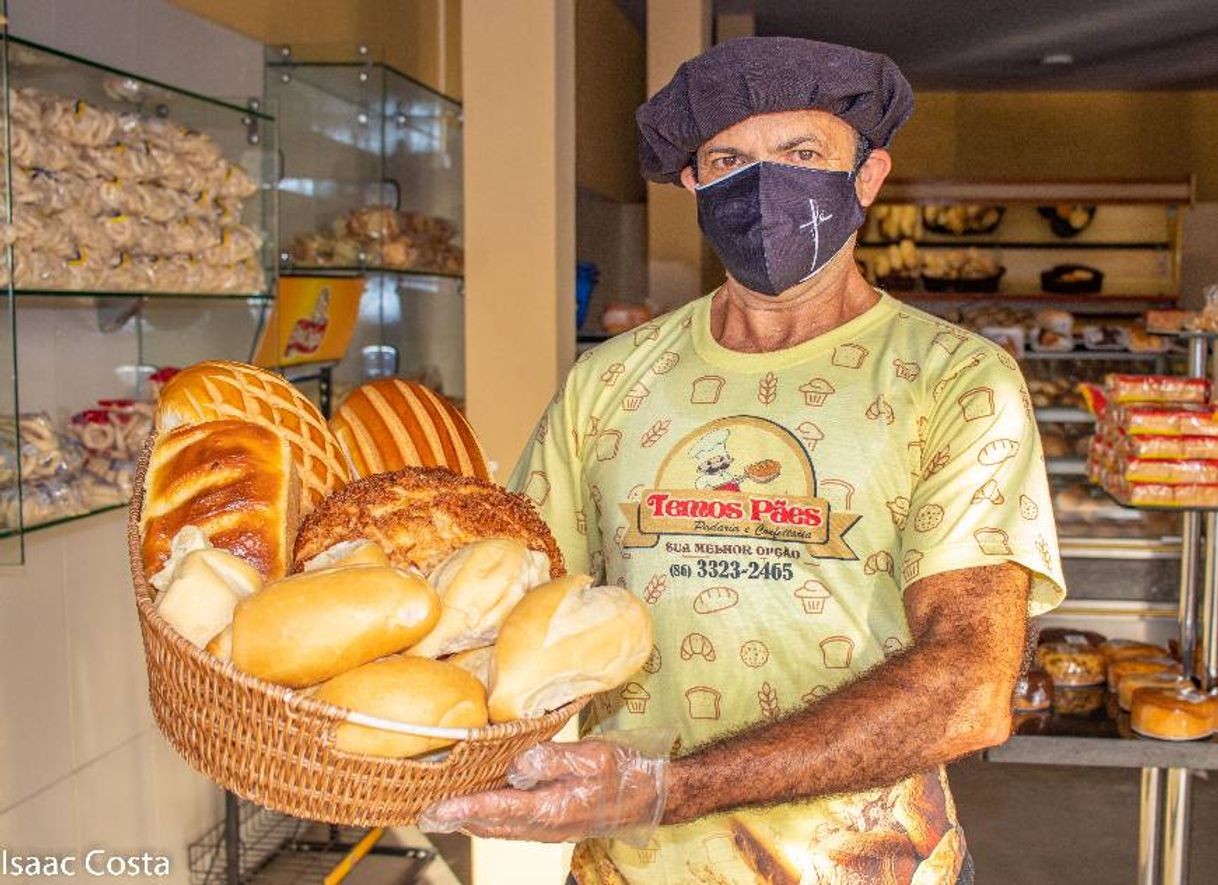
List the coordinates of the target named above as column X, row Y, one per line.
column 770, row 509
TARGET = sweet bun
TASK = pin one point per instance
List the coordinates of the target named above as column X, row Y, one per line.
column 218, row 389
column 478, row 585
column 206, row 587
column 420, row 515
column 416, row 691
column 233, row 481
column 310, row 627
column 1173, row 714
column 357, row 552
column 389, row 424
column 566, row 639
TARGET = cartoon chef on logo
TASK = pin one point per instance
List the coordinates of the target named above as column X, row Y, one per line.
column 714, row 465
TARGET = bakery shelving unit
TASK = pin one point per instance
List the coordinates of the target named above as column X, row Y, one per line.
column 77, row 328
column 360, row 136
column 1163, row 845
column 1118, row 565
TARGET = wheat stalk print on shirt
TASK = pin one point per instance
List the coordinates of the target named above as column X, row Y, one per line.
column 771, row 509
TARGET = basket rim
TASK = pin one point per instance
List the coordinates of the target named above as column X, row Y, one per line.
column 297, row 701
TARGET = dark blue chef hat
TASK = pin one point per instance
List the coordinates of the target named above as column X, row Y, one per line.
column 763, row 75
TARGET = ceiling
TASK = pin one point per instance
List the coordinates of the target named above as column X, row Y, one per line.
column 1124, row 45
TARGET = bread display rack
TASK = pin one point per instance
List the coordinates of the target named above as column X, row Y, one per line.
column 372, row 187
column 139, row 234
column 1163, row 845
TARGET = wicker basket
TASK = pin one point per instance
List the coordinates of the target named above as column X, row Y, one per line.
column 276, row 747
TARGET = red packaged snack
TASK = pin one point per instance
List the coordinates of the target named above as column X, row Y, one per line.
column 1155, row 389
column 1147, row 494
column 1094, row 399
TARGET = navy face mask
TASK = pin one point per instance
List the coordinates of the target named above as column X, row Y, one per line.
column 774, row 225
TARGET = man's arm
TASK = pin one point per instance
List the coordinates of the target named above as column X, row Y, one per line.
column 946, row 696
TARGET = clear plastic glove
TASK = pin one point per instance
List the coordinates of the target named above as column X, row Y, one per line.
column 614, row 785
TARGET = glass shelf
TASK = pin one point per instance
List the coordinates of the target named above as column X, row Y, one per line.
column 1084, row 354
column 330, row 270
column 84, row 294
column 62, row 520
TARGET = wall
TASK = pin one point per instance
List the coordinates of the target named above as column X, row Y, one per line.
column 81, row 763
column 421, row 38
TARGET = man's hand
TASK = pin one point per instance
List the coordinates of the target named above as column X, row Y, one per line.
column 564, row 793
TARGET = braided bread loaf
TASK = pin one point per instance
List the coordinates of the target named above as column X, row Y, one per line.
column 218, row 389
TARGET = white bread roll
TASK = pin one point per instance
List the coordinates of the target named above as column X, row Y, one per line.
column 478, row 585
column 188, row 539
column 358, row 552
column 477, row 661
column 221, row 645
column 207, row 585
column 563, row 640
column 310, row 627
column 417, row 691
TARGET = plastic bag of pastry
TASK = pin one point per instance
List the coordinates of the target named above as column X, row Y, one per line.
column 25, row 108
column 123, row 231
column 46, row 233
column 373, row 223
column 1156, row 389
column 1071, row 665
column 613, row 785
column 79, row 122
column 157, row 204
column 315, row 250
column 237, row 243
column 192, row 236
column 118, row 472
column 1078, row 700
column 236, row 182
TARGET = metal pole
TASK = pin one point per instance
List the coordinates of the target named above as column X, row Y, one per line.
column 1175, row 828
column 1191, row 539
column 232, row 839
column 1209, row 611
column 1150, row 826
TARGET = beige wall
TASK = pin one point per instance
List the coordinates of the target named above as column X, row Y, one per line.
column 610, row 82
column 420, row 37
column 1076, row 135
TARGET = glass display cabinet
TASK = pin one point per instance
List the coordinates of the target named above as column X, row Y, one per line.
column 371, row 186
column 139, row 232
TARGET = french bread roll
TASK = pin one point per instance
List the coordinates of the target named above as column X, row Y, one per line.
column 478, row 585
column 233, row 481
column 206, row 587
column 565, row 639
column 313, row 626
column 477, row 661
column 389, row 424
column 217, row 389
column 358, row 552
column 417, row 691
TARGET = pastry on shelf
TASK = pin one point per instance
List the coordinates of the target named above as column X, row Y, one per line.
column 1134, row 681
column 1033, row 692
column 1119, row 670
column 1071, row 665
column 1173, row 714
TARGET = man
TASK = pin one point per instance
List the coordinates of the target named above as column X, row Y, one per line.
column 834, row 505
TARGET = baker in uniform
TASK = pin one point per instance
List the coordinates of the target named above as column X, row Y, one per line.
column 832, row 632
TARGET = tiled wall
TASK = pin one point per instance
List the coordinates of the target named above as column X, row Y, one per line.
column 81, row 763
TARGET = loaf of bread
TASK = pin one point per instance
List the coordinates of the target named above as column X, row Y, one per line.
column 358, row 552
column 566, row 639
column 478, row 585
column 205, row 588
column 416, row 691
column 219, row 389
column 389, row 424
column 477, row 661
column 310, row 627
column 420, row 515
column 232, row 480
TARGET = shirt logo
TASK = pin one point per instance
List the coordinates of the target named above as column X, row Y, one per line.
column 741, row 477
